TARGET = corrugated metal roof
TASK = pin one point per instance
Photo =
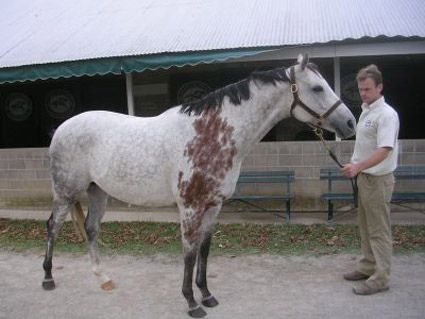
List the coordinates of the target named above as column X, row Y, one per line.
column 51, row 31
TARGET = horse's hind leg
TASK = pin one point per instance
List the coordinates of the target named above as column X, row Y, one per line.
column 97, row 205
column 54, row 224
column 208, row 299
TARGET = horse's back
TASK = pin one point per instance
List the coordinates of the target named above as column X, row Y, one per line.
column 130, row 158
column 89, row 131
column 83, row 133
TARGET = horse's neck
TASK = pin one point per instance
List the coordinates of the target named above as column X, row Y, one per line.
column 258, row 115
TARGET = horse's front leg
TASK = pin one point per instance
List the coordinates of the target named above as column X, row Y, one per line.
column 195, row 310
column 208, row 299
column 196, row 236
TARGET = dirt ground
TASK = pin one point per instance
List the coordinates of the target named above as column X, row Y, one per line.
column 256, row 286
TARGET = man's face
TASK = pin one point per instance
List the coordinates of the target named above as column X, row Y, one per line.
column 369, row 91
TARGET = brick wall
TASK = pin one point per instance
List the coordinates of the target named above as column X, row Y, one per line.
column 24, row 176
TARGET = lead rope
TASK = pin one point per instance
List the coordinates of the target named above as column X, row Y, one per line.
column 319, row 133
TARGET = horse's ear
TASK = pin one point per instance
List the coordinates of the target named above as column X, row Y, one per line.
column 303, row 60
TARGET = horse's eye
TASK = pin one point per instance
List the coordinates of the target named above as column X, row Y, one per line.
column 318, row 88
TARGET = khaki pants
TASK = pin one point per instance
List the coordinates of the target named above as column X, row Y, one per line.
column 375, row 226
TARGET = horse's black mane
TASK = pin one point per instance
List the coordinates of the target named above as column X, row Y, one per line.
column 313, row 67
column 236, row 92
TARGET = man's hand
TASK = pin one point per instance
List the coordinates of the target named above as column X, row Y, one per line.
column 353, row 169
column 350, row 170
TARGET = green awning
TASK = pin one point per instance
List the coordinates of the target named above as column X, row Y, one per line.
column 118, row 65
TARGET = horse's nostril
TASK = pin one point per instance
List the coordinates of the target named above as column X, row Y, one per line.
column 350, row 124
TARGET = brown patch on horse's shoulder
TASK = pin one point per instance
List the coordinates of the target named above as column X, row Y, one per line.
column 213, row 145
column 211, row 153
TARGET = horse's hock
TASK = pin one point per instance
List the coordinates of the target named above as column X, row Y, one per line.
column 25, row 179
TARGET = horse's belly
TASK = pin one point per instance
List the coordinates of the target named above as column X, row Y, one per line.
column 144, row 193
column 148, row 200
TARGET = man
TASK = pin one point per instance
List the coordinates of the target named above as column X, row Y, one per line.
column 373, row 162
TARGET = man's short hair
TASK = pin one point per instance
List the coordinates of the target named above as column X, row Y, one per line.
column 370, row 71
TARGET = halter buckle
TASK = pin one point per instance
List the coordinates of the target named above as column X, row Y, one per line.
column 294, row 88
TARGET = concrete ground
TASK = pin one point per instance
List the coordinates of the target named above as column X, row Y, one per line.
column 255, row 286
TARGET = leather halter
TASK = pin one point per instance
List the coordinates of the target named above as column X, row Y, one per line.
column 297, row 100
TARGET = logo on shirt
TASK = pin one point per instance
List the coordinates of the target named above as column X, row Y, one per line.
column 370, row 124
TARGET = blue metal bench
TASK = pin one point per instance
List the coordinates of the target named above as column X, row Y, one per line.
column 259, row 178
column 410, row 173
column 332, row 175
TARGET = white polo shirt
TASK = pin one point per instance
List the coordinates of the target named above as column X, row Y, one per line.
column 378, row 126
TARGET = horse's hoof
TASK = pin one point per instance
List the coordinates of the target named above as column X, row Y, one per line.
column 197, row 312
column 109, row 285
column 48, row 284
column 210, row 302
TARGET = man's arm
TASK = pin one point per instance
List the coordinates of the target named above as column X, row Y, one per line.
column 353, row 169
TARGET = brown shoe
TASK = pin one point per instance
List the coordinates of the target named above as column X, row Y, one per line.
column 355, row 276
column 369, row 288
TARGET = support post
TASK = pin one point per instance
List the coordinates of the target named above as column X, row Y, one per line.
column 129, row 90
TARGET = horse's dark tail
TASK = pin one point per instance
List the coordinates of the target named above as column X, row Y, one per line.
column 78, row 219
